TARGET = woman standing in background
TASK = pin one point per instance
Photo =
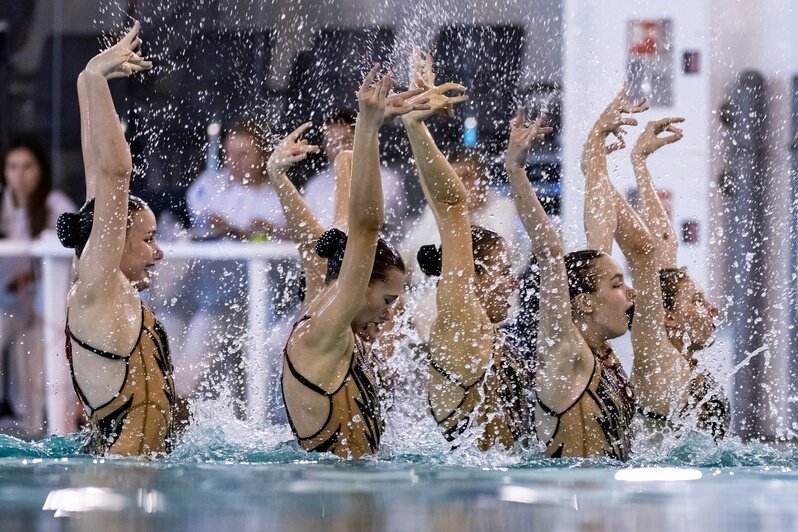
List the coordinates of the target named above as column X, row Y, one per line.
column 29, row 209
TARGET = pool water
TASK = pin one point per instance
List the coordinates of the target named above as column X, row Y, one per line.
column 265, row 482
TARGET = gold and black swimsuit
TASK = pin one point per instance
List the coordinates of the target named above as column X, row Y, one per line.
column 354, row 422
column 139, row 419
column 714, row 412
column 498, row 399
column 706, row 401
column 599, row 422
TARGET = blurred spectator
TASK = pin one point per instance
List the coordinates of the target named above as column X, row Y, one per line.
column 238, row 203
column 29, row 209
column 339, row 135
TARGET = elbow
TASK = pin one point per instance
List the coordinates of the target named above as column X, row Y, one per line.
column 453, row 199
column 549, row 249
column 116, row 168
column 368, row 220
column 645, row 244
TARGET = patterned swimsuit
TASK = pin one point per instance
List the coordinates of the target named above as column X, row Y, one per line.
column 354, row 424
column 599, row 422
column 139, row 419
column 498, row 399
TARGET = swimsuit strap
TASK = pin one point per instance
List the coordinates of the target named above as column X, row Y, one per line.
column 304, row 380
column 100, row 352
column 550, row 411
column 452, row 378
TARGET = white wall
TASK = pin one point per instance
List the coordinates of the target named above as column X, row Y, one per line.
column 594, row 71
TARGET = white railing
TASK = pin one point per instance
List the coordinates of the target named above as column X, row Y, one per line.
column 56, row 262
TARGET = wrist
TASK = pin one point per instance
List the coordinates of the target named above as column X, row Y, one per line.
column 410, row 122
column 638, row 158
column 514, row 169
column 91, row 72
column 367, row 123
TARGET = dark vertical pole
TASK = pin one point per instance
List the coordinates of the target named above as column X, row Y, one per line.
column 792, row 264
column 746, row 190
column 5, row 81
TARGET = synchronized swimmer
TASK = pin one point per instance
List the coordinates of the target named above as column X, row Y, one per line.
column 572, row 394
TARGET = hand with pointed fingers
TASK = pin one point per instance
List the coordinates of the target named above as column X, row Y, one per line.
column 650, row 139
column 121, row 59
column 290, row 151
column 612, row 119
column 522, row 136
column 406, row 102
column 436, row 98
column 372, row 99
column 421, row 74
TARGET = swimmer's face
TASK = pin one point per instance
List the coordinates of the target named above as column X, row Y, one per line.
column 378, row 307
column 141, row 249
column 693, row 316
column 495, row 283
column 242, row 158
column 609, row 307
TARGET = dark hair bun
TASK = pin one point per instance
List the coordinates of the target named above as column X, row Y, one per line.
column 68, row 229
column 430, row 260
column 331, row 243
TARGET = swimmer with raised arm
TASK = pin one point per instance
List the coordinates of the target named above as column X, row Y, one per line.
column 478, row 384
column 690, row 319
column 660, row 375
column 329, row 377
column 117, row 350
column 585, row 403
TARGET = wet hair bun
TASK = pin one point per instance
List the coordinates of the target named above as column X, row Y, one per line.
column 331, row 243
column 430, row 260
column 68, row 229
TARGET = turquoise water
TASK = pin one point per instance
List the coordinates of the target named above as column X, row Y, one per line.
column 220, row 479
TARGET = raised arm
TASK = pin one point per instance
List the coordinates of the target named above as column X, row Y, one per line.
column 343, row 186
column 301, row 226
column 651, row 208
column 564, row 358
column 600, row 214
column 461, row 333
column 660, row 374
column 334, row 314
column 89, row 159
column 110, row 161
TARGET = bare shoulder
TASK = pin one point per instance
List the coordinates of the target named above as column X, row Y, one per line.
column 110, row 322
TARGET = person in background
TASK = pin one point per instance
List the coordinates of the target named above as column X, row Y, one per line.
column 235, row 203
column 29, row 210
column 338, row 136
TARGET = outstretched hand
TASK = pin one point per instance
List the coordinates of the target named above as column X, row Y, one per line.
column 290, row 151
column 612, row 119
column 121, row 59
column 437, row 101
column 376, row 104
column 650, row 139
column 522, row 136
